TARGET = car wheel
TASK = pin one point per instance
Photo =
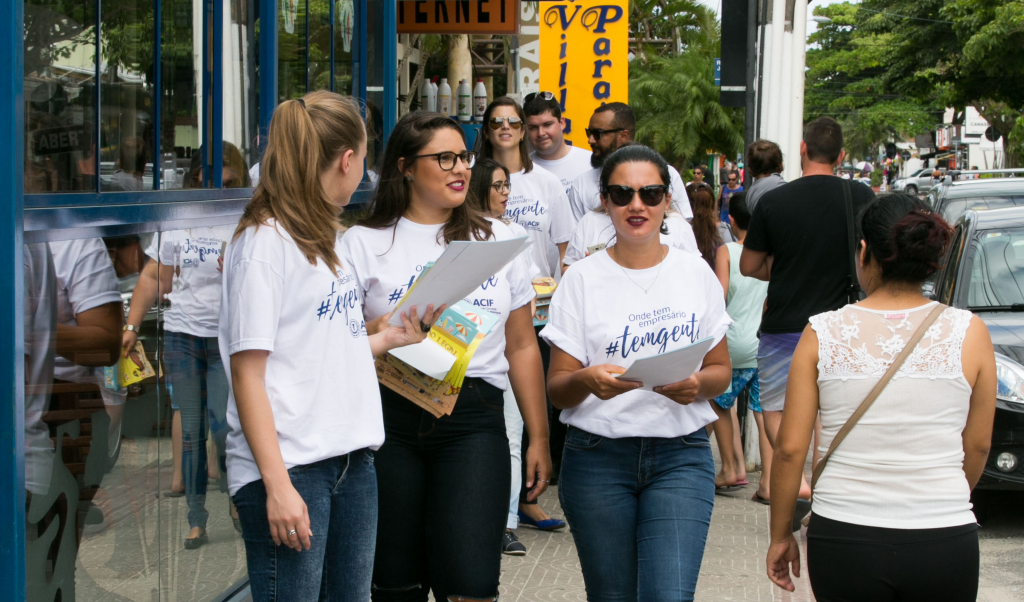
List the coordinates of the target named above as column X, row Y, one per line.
column 911, row 189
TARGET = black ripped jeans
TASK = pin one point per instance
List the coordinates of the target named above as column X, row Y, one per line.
column 443, row 487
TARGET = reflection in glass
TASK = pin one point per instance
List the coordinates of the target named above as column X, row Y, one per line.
column 345, row 45
column 319, row 44
column 181, row 69
column 105, row 517
column 291, row 60
column 60, row 95
column 241, row 81
column 126, row 96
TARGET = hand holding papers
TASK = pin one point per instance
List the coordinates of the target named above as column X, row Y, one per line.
column 457, row 272
column 668, row 368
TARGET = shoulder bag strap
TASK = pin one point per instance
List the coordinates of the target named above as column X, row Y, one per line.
column 877, row 390
column 853, row 292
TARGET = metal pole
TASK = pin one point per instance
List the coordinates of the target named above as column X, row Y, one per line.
column 331, row 18
column 157, row 93
column 749, row 131
column 268, row 67
column 12, row 288
column 761, row 27
column 217, row 69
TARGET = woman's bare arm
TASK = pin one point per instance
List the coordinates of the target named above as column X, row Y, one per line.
column 980, row 370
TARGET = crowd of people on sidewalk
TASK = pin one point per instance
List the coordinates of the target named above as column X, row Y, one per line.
column 806, row 294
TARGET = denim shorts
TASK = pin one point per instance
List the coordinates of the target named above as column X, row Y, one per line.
column 774, row 354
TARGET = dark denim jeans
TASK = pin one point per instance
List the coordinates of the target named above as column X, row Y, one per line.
column 444, row 489
column 639, row 509
column 199, row 389
column 341, row 497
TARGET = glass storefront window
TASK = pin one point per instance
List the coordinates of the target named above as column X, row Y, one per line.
column 125, row 460
column 240, row 93
column 291, row 48
column 60, row 96
column 181, row 82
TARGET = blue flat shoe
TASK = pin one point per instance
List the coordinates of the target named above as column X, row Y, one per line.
column 549, row 524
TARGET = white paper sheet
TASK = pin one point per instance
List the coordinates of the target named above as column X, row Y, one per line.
column 462, row 267
column 668, row 368
column 426, row 356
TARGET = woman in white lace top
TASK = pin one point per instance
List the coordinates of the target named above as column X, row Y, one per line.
column 892, row 515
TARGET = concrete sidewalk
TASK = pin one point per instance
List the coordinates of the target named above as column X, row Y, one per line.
column 733, row 568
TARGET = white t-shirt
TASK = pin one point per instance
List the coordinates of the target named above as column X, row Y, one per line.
column 585, row 193
column 387, row 261
column 320, row 376
column 568, row 167
column 85, row 280
column 539, row 204
column 596, row 228
column 527, row 257
column 600, row 315
column 40, row 349
column 195, row 293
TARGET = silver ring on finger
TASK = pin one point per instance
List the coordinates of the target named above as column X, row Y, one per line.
column 292, row 532
column 543, row 481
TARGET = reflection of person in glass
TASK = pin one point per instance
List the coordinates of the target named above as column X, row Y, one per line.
column 131, row 163
column 185, row 269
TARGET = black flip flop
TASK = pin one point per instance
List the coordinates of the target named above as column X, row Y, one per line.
column 761, row 500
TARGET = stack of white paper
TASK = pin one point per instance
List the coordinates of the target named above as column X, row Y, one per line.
column 463, row 266
column 670, row 367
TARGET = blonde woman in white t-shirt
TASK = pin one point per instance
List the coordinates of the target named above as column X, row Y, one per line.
column 304, row 410
column 892, row 515
column 638, row 478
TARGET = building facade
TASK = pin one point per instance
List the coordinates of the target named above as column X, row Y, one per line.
column 131, row 134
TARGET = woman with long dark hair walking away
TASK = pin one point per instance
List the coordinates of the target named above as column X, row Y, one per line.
column 638, row 477
column 304, row 409
column 906, row 390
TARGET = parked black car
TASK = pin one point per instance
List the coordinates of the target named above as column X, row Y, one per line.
column 984, row 272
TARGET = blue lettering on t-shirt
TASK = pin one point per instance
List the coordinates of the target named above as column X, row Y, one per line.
column 202, row 247
column 630, row 341
column 397, row 294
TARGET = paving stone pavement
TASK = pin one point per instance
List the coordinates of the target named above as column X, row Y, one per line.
column 733, row 567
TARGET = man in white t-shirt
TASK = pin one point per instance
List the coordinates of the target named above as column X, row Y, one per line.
column 546, row 129
column 612, row 126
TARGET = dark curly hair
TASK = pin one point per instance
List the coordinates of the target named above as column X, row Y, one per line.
column 904, row 237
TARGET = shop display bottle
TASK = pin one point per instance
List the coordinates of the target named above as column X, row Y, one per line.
column 479, row 100
column 465, row 98
column 444, row 97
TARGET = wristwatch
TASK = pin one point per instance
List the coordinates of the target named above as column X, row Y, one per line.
column 130, row 328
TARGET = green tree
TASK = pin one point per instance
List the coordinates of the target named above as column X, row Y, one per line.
column 846, row 68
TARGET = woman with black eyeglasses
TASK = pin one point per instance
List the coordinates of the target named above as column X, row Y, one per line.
column 444, row 482
column 538, row 201
column 638, row 479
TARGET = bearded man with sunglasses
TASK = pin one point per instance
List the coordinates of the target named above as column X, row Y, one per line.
column 612, row 126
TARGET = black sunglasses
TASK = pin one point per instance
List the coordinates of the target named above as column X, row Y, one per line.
column 620, row 196
column 513, row 122
column 543, row 95
column 446, row 160
column 596, row 133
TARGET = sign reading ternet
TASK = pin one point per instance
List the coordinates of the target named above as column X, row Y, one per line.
column 458, row 16
column 584, row 47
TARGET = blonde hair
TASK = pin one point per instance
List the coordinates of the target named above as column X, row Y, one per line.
column 305, row 137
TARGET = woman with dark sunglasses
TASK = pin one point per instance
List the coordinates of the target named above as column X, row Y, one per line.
column 595, row 231
column 638, row 479
column 538, row 201
column 444, row 482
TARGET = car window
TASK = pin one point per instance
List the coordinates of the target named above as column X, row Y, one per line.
column 994, row 271
column 954, row 208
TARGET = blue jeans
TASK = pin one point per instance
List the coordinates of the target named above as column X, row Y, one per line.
column 639, row 509
column 200, row 391
column 341, row 497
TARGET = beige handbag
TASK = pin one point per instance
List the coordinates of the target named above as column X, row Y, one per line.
column 877, row 390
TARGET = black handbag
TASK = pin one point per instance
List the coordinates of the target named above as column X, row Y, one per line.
column 853, row 290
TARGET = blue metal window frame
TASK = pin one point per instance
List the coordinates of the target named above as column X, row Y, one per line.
column 59, row 216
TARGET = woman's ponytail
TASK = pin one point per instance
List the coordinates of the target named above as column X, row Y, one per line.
column 305, row 137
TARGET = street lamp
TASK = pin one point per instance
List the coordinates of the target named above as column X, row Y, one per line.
column 821, row 20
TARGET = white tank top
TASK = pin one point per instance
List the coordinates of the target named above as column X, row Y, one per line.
column 901, row 467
